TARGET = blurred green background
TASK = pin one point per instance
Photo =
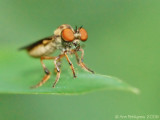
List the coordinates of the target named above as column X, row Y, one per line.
column 123, row 42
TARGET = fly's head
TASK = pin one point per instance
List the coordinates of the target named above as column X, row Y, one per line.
column 71, row 38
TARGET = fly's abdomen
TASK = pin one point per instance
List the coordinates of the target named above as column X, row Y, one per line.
column 41, row 50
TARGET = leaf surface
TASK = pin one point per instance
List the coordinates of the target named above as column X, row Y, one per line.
column 19, row 72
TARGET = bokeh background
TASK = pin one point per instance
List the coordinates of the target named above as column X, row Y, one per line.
column 123, row 42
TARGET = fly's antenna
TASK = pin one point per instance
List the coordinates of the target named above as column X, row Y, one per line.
column 75, row 28
column 80, row 27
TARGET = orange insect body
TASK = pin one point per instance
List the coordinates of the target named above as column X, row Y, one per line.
column 65, row 39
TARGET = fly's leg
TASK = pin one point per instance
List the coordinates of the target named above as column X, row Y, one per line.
column 80, row 61
column 58, row 64
column 57, row 67
column 71, row 65
column 47, row 72
column 43, row 65
column 77, row 58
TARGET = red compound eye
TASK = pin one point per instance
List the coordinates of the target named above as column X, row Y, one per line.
column 84, row 34
column 68, row 35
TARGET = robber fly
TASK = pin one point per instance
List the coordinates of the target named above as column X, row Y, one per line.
column 67, row 40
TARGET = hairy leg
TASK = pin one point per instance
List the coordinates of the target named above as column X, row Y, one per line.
column 47, row 72
column 71, row 65
column 80, row 61
column 57, row 67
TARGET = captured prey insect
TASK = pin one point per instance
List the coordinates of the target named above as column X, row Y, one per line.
column 67, row 40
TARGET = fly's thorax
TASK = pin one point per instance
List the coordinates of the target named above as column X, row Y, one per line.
column 62, row 45
column 57, row 42
column 59, row 30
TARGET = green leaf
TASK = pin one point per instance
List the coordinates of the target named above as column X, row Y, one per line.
column 19, row 72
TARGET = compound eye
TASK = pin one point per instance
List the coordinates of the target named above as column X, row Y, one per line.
column 68, row 35
column 84, row 34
